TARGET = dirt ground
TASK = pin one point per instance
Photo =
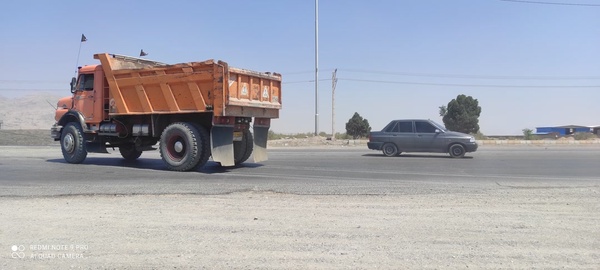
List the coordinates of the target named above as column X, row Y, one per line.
column 499, row 228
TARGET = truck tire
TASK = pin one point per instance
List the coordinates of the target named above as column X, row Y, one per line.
column 456, row 150
column 390, row 150
column 243, row 149
column 72, row 143
column 182, row 146
column 203, row 145
column 129, row 152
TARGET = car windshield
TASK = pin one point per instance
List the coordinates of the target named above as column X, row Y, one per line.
column 439, row 126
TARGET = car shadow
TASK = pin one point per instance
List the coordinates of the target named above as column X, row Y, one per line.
column 441, row 156
column 210, row 167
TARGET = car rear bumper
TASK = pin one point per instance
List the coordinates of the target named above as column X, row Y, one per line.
column 375, row 145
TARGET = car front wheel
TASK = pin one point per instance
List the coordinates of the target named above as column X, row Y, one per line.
column 390, row 150
column 456, row 150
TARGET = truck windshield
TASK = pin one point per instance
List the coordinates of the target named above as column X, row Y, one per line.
column 85, row 82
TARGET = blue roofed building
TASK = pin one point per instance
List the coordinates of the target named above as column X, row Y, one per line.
column 566, row 130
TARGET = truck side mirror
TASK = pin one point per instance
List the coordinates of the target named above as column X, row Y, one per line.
column 73, row 83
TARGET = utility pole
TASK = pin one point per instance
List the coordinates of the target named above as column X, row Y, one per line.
column 316, row 67
column 333, row 84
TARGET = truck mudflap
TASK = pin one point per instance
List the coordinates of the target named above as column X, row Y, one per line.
column 221, row 142
column 261, row 135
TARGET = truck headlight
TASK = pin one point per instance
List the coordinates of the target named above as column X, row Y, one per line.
column 472, row 139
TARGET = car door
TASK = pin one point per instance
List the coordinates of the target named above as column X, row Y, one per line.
column 401, row 133
column 426, row 139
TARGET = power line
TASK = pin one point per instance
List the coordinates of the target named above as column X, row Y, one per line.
column 298, row 72
column 553, row 3
column 461, row 76
column 451, row 84
column 30, row 81
column 307, row 81
column 31, row 89
column 472, row 85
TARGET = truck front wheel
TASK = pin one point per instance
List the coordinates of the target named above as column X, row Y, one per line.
column 182, row 146
column 72, row 143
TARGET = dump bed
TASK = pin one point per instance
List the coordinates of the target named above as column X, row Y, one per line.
column 138, row 86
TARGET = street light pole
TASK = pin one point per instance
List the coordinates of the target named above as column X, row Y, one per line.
column 333, row 84
column 316, row 67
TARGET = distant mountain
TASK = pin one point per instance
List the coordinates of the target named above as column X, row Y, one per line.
column 28, row 112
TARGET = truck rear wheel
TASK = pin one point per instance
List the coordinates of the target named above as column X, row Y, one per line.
column 72, row 143
column 129, row 152
column 243, row 149
column 203, row 145
column 183, row 146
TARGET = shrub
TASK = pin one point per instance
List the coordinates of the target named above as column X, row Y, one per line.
column 585, row 136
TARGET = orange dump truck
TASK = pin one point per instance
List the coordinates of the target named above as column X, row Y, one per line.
column 193, row 110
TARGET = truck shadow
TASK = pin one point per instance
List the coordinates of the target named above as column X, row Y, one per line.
column 440, row 156
column 153, row 164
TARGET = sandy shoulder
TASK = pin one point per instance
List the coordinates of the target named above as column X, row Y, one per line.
column 503, row 228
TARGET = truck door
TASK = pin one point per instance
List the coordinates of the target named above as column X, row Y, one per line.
column 84, row 96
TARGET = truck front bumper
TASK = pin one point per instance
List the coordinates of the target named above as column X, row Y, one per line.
column 55, row 132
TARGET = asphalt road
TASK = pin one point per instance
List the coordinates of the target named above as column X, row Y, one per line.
column 41, row 171
column 321, row 208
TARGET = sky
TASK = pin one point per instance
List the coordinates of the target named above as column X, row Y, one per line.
column 529, row 63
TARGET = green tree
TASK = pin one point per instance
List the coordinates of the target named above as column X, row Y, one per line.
column 358, row 127
column 527, row 134
column 461, row 114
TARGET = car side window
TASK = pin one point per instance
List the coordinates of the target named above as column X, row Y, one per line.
column 424, row 127
column 405, row 127
column 393, row 127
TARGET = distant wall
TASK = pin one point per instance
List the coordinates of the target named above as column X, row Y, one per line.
column 540, row 142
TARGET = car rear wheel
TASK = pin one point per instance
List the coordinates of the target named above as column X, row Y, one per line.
column 456, row 150
column 390, row 150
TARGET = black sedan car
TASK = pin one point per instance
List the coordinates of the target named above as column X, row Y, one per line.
column 420, row 136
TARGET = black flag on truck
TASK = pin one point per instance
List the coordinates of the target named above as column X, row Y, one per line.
column 83, row 38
